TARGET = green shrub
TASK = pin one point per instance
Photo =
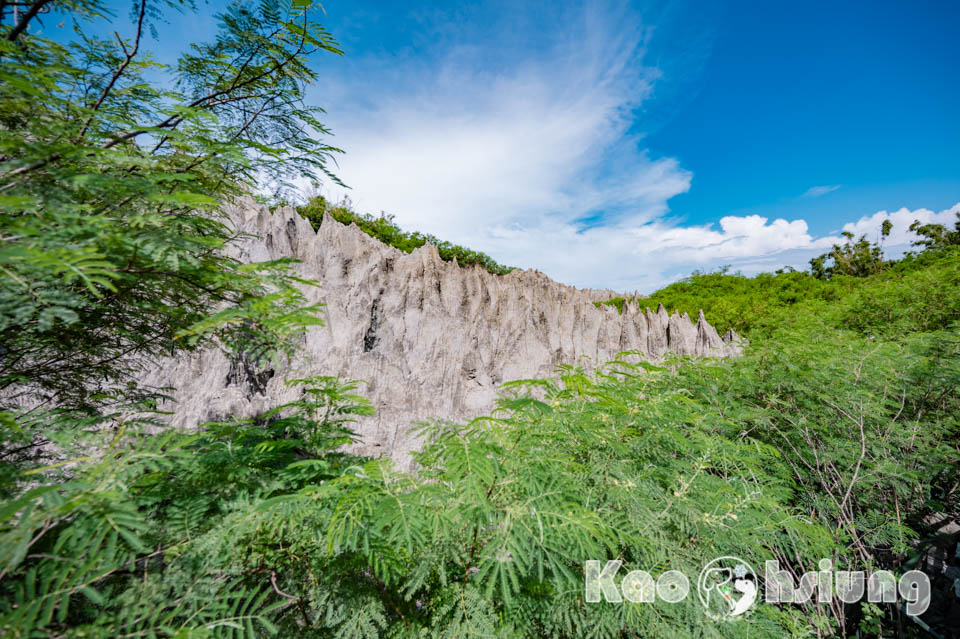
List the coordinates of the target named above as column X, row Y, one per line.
column 387, row 231
column 818, row 443
column 918, row 292
column 736, row 301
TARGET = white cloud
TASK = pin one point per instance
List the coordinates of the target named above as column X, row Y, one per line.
column 456, row 147
column 636, row 255
column 900, row 235
column 817, row 191
column 642, row 256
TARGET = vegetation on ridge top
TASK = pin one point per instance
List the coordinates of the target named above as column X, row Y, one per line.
column 383, row 228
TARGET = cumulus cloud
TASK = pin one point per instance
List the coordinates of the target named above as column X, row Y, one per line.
column 641, row 256
column 637, row 255
column 817, row 191
column 900, row 235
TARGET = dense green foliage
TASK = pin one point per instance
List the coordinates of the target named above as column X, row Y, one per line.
column 936, row 236
column 915, row 293
column 859, row 259
column 112, row 252
column 835, row 436
column 109, row 183
column 821, row 442
column 387, row 231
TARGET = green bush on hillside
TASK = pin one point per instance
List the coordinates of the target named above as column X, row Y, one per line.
column 387, row 231
column 737, row 301
column 917, row 295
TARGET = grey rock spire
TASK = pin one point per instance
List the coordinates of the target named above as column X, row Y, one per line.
column 431, row 339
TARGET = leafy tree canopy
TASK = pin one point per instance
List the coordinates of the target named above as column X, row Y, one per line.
column 112, row 166
column 936, row 236
column 854, row 273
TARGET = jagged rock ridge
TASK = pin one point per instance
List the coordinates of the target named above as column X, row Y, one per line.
column 431, row 339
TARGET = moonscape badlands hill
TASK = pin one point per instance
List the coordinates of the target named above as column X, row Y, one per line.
column 430, row 339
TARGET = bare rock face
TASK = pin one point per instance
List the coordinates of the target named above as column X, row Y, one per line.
column 429, row 338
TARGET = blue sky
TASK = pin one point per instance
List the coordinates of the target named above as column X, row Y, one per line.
column 623, row 145
column 796, row 95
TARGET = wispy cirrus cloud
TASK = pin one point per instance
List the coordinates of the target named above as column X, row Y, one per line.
column 455, row 144
column 817, row 191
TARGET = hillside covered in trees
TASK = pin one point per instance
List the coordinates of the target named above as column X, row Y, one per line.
column 917, row 290
column 835, row 436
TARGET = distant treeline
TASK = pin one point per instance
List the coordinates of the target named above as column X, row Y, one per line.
column 854, row 272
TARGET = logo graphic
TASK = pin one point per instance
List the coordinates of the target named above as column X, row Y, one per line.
column 727, row 588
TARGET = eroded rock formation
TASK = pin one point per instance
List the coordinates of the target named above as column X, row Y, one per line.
column 430, row 339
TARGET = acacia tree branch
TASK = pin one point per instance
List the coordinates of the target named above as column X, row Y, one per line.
column 863, row 452
column 208, row 101
column 249, row 58
column 28, row 15
column 276, row 589
column 128, row 57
